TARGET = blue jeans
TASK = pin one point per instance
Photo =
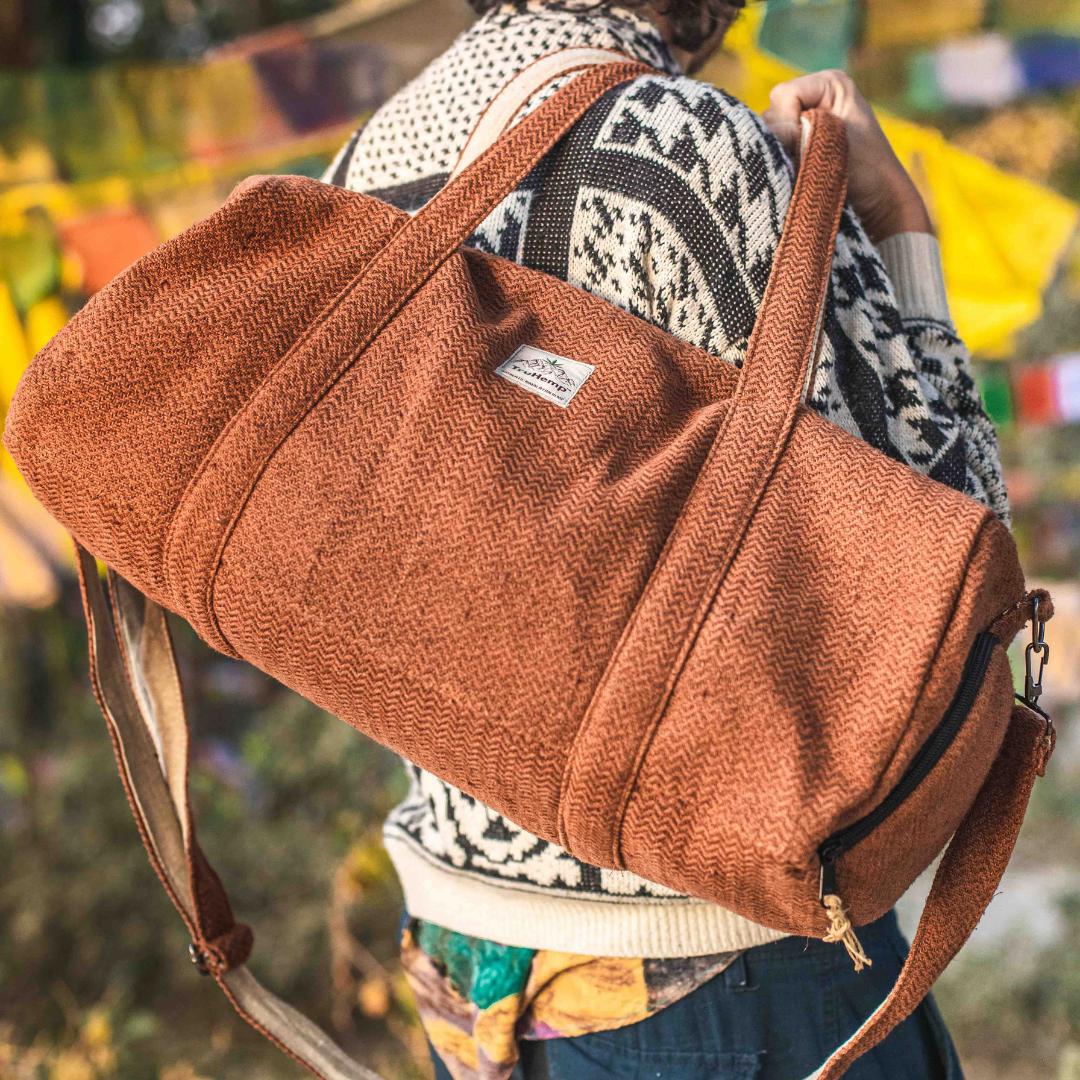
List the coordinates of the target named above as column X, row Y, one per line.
column 775, row 1014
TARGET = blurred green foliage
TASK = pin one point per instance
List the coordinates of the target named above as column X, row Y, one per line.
column 95, row 978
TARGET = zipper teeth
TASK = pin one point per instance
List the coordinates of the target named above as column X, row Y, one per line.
column 928, row 755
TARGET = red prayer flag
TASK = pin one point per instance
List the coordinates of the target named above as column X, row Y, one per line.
column 107, row 243
column 1036, row 402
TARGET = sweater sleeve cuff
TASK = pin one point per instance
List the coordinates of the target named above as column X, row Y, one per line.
column 913, row 263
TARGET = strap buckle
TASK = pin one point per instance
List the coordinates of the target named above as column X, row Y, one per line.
column 198, row 958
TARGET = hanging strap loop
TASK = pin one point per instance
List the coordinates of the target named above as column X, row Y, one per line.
column 133, row 671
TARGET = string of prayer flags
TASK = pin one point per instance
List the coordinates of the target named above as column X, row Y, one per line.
column 129, row 119
column 996, row 392
column 812, row 34
column 889, row 23
column 979, row 70
column 988, row 70
column 1049, row 61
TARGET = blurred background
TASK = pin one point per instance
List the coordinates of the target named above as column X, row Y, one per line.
column 124, row 121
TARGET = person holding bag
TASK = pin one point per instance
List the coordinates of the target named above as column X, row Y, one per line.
column 667, row 199
column 595, row 453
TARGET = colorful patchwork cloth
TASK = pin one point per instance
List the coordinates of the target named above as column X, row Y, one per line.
column 477, row 998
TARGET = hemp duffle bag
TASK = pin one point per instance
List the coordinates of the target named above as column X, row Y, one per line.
column 650, row 607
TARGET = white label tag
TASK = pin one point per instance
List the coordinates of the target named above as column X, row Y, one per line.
column 555, row 378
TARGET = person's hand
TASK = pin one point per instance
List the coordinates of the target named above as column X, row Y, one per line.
column 879, row 188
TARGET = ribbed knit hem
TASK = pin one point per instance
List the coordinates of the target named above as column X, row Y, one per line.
column 540, row 919
column 913, row 262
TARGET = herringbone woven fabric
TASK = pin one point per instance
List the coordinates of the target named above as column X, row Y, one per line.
column 683, row 626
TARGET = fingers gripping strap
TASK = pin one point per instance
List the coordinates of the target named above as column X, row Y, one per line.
column 966, row 880
column 136, row 683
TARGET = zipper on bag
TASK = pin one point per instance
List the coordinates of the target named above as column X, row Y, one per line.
column 928, row 755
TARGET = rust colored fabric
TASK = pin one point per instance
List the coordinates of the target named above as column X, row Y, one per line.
column 682, row 626
column 965, row 882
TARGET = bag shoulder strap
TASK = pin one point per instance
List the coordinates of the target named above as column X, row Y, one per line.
column 134, row 674
column 966, row 881
column 133, row 671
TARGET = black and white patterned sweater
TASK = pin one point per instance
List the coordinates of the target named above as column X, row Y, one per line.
column 666, row 199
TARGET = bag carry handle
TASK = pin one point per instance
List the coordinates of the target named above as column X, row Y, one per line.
column 516, row 94
column 312, row 366
column 659, row 636
column 136, row 683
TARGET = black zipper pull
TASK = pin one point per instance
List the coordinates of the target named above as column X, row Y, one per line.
column 827, row 856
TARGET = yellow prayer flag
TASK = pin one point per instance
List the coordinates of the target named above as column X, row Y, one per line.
column 43, row 322
column 13, row 354
column 29, row 163
column 1028, row 16
column 1001, row 236
column 35, row 549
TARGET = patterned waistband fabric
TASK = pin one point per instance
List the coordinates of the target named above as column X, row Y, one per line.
column 477, row 999
column 667, row 199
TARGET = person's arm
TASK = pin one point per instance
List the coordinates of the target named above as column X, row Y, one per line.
column 879, row 188
column 913, row 263
column 892, row 212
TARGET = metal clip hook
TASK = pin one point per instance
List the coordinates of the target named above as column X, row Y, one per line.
column 1033, row 686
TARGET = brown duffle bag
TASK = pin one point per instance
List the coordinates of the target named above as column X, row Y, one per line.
column 648, row 606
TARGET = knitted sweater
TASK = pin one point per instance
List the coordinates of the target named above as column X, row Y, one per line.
column 667, row 199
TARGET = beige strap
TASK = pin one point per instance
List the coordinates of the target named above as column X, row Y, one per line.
column 513, row 97
column 133, row 670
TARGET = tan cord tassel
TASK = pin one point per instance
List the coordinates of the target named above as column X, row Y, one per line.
column 842, row 930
